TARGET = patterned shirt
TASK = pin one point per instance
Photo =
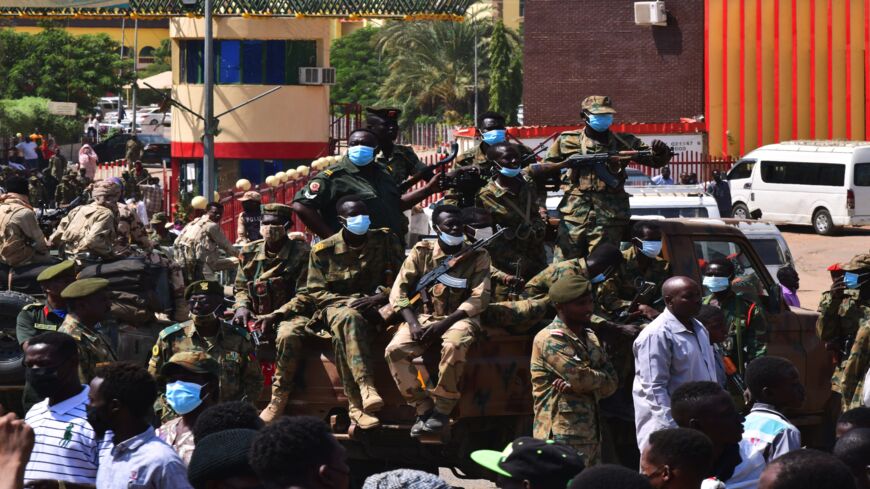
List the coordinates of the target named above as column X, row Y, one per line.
column 182, row 443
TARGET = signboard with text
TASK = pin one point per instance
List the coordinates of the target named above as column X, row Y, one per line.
column 62, row 108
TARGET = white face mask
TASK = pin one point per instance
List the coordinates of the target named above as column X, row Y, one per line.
column 449, row 239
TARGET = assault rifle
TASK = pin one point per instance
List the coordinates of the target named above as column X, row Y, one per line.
column 598, row 163
column 643, row 288
column 48, row 219
column 426, row 173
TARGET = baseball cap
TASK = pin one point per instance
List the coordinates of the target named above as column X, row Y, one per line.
column 198, row 362
column 598, row 104
column 531, row 459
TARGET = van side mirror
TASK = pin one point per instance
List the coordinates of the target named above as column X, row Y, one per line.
column 774, row 299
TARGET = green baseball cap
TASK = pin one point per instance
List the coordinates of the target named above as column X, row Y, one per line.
column 598, row 104
column 528, row 458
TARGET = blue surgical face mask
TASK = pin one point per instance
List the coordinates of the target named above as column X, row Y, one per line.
column 509, row 172
column 494, row 136
column 852, row 279
column 183, row 397
column 361, row 155
column 600, row 122
column 451, row 240
column 716, row 284
column 598, row 278
column 651, row 248
column 358, row 224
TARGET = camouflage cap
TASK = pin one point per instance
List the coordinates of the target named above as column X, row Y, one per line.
column 597, row 104
column 158, row 218
column 279, row 210
column 858, row 262
column 251, row 195
column 84, row 287
column 389, row 114
column 198, row 362
column 66, row 266
column 206, row 287
column 566, row 289
column 106, row 188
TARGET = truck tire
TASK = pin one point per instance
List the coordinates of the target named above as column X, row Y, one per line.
column 740, row 211
column 822, row 222
column 11, row 355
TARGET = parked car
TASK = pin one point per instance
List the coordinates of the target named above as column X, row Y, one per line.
column 152, row 116
column 156, row 148
column 825, row 184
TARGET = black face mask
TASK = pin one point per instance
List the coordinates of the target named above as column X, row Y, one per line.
column 97, row 421
column 43, row 380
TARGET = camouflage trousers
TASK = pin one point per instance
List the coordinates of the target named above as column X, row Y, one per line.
column 589, row 219
column 517, row 317
column 455, row 343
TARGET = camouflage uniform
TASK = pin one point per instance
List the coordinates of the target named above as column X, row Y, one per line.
column 66, row 192
column 89, row 228
column 131, row 187
column 571, row 417
column 747, row 329
column 476, row 156
column 472, row 298
column 523, row 242
column 21, row 239
column 161, row 241
column 36, row 191
column 130, row 231
column 266, row 282
column 617, row 292
column 196, row 250
column 94, row 349
column 838, row 324
column 850, row 378
column 133, row 151
column 57, row 167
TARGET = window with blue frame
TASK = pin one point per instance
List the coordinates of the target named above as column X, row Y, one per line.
column 251, row 62
column 229, row 61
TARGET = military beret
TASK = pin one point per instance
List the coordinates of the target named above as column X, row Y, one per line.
column 84, row 287
column 251, row 195
column 198, row 362
column 858, row 262
column 566, row 289
column 597, row 104
column 835, row 268
column 279, row 210
column 56, row 270
column 389, row 114
column 206, row 287
column 158, row 218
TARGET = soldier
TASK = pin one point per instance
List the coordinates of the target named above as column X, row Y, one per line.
column 130, row 231
column 133, row 151
column 36, row 191
column 158, row 232
column 839, row 313
column 511, row 200
column 92, row 228
column 248, row 222
column 57, row 166
column 349, row 275
column 571, row 372
column 88, row 304
column 21, row 239
column 140, row 174
column 230, row 345
column 356, row 175
column 747, row 324
column 131, row 187
column 400, row 161
column 592, row 211
column 196, row 250
column 850, row 378
column 66, row 191
column 452, row 315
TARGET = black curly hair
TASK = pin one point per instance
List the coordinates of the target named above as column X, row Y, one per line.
column 609, row 477
column 288, row 451
column 227, row 416
column 811, row 469
column 689, row 397
column 766, row 372
column 682, row 448
column 130, row 384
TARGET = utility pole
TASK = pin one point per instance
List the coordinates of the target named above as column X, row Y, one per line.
column 208, row 87
column 475, row 75
column 135, row 76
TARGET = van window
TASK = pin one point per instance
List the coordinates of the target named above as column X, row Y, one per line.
column 671, row 211
column 769, row 251
column 862, row 175
column 794, row 173
column 747, row 279
column 742, row 169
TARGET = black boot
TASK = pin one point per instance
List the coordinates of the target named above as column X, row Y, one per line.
column 436, row 423
column 420, row 424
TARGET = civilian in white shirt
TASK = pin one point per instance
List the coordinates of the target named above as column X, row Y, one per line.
column 66, row 449
column 672, row 350
column 663, row 178
column 27, row 148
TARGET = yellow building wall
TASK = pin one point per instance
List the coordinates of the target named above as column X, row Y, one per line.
column 147, row 37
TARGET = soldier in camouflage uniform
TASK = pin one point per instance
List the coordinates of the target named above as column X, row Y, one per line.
column 571, row 372
column 591, row 210
column 196, row 249
column 131, row 187
column 130, row 231
column 400, row 161
column 88, row 303
column 57, row 166
column 241, row 377
column 36, row 191
column 133, row 151
column 91, row 228
column 849, row 379
column 839, row 315
column 21, row 239
column 157, row 232
column 452, row 315
column 66, row 191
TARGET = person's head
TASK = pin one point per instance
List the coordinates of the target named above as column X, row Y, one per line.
column 666, row 172
column 856, row 274
column 51, row 361
column 251, row 202
column 572, row 297
column 122, row 395
column 221, row 461
column 106, row 192
column 275, row 222
column 384, row 123
column 682, row 297
column 602, row 261
column 299, row 451
column 228, row 415
column 706, row 407
column 713, row 320
column 87, row 300
column 853, row 449
column 55, row 278
column 362, row 144
column 478, row 223
column 447, row 220
column 647, row 238
column 405, row 478
column 205, row 299
column 858, row 417
column 492, row 127
column 353, row 214
column 836, row 272
column 788, row 276
column 806, row 469
column 529, row 463
column 597, row 112
column 192, row 381
column 609, row 477
column 776, row 381
column 718, row 275
column 717, row 176
column 214, row 211
column 506, row 156
column 678, row 458
column 16, row 185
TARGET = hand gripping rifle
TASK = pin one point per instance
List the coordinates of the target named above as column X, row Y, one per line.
column 597, row 161
column 426, row 173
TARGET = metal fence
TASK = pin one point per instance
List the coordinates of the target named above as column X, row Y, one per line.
column 692, row 163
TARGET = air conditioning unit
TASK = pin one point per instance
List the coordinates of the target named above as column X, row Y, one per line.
column 650, row 13
column 316, row 76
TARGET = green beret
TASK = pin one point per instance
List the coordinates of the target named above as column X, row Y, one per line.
column 857, row 263
column 56, row 270
column 279, row 210
column 566, row 289
column 158, row 218
column 206, row 287
column 198, row 362
column 84, row 287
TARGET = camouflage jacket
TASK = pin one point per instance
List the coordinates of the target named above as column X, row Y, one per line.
column 130, row 231
column 241, row 377
column 618, row 291
column 402, row 163
column 747, row 326
column 158, row 240
column 838, row 320
column 558, row 353
column 337, row 272
column 94, row 348
column 850, row 377
column 265, row 283
column 65, row 193
column 539, row 286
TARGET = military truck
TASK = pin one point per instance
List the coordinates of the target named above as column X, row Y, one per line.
column 496, row 404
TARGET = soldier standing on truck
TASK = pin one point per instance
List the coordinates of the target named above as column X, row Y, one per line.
column 571, row 372
column 241, row 377
column 248, row 222
column 87, row 304
column 196, row 250
column 158, row 233
column 451, row 313
column 92, row 228
column 839, row 315
column 591, row 210
column 133, row 151
column 21, row 239
column 66, row 191
column 851, row 378
column 400, row 161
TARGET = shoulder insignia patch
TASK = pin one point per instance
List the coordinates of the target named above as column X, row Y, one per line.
column 328, row 172
column 315, row 186
column 168, row 331
column 45, row 327
column 155, row 351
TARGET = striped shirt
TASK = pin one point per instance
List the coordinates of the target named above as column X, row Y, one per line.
column 65, row 447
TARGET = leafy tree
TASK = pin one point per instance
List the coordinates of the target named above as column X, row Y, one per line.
column 162, row 60
column 30, row 115
column 505, row 78
column 358, row 70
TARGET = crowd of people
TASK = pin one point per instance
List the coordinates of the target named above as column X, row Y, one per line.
column 639, row 377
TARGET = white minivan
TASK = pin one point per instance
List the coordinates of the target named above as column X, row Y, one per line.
column 822, row 183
